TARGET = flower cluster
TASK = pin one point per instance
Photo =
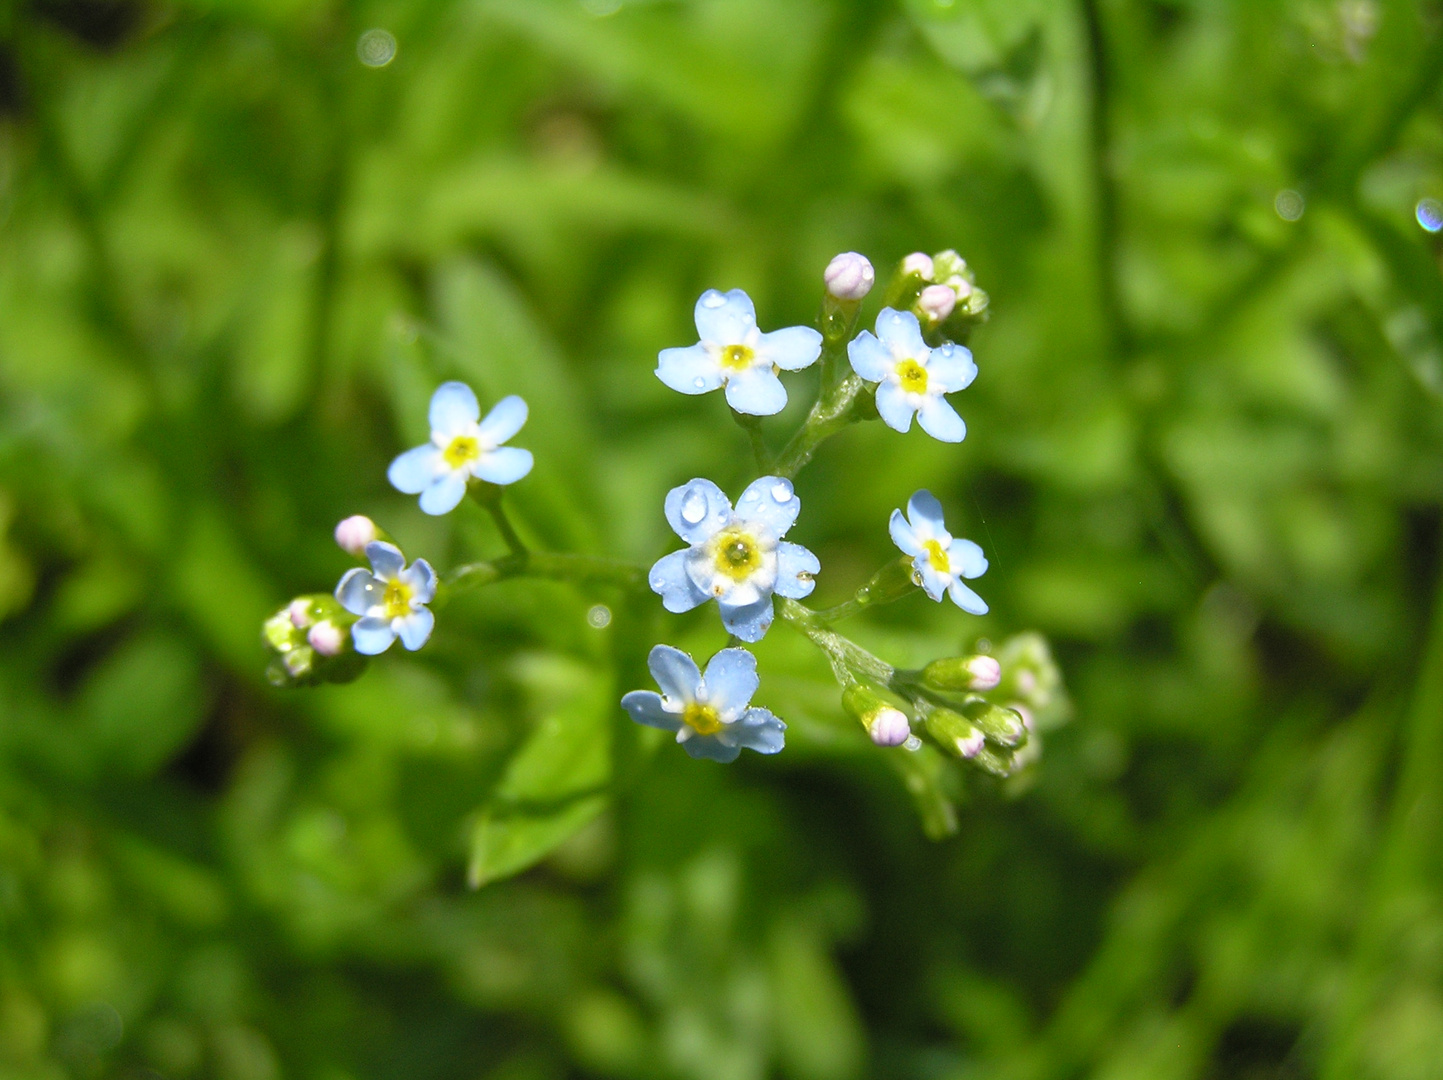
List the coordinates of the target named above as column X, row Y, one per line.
column 982, row 708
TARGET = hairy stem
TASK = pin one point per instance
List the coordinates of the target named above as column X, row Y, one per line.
column 550, row 565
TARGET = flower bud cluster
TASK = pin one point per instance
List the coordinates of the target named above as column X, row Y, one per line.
column 311, row 643
column 945, row 287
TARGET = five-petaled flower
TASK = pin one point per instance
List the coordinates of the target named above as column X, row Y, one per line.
column 911, row 378
column 390, row 599
column 735, row 354
column 939, row 563
column 460, row 448
column 710, row 714
column 737, row 557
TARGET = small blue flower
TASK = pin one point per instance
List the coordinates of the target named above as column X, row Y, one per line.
column 939, row 563
column 710, row 714
column 737, row 557
column 735, row 354
column 910, row 377
column 390, row 602
column 461, row 448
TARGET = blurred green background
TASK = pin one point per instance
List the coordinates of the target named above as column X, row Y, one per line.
column 242, row 240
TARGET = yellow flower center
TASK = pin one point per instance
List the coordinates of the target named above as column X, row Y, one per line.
column 463, row 450
column 737, row 554
column 702, row 719
column 912, row 376
column 937, row 556
column 737, row 357
column 396, row 602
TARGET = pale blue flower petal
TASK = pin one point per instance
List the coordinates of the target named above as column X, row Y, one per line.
column 966, row 599
column 646, row 708
column 503, row 421
column 940, row 420
column 422, row 579
column 771, row 504
column 758, row 730
column 925, row 514
column 756, row 392
column 675, row 672
column 750, row 623
column 950, row 368
column 669, row 580
column 934, row 583
column 731, row 680
column 414, row 470
column 724, row 318
column 692, row 370
column 358, row 591
column 416, row 628
column 902, row 333
column 444, row 493
column 967, row 559
column 794, row 561
column 710, row 748
column 504, row 465
column 894, row 408
column 697, row 510
column 386, row 559
column 902, row 534
column 870, row 359
column 372, row 636
column 453, row 408
column 791, row 349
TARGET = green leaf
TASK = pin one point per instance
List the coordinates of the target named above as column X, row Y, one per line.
column 143, row 703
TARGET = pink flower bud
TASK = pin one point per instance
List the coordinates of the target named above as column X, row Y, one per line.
column 969, row 746
column 889, row 727
column 849, row 276
column 937, row 302
column 985, row 670
column 918, row 263
column 300, row 614
column 354, row 533
column 326, row 638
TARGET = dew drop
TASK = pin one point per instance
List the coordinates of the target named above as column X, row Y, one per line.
column 781, row 491
column 913, row 744
column 699, row 382
column 657, row 584
column 713, row 300
column 693, row 507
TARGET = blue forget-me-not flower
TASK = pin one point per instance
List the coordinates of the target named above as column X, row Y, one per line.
column 710, row 714
column 939, row 563
column 911, row 378
column 390, row 599
column 461, row 447
column 737, row 557
column 735, row 354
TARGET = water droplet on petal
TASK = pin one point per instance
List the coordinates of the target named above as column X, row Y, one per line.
column 657, row 584
column 913, row 744
column 713, row 300
column 693, row 507
column 699, row 382
column 782, row 491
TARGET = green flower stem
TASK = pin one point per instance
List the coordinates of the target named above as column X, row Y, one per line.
column 752, row 425
column 890, row 583
column 550, row 565
column 848, row 659
column 503, row 523
column 831, row 413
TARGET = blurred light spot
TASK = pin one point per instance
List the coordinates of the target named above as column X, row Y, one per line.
column 1288, row 204
column 376, row 48
column 599, row 616
column 984, row 645
column 601, row 8
column 1429, row 213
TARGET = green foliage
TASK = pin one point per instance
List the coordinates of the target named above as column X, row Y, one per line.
column 1205, row 458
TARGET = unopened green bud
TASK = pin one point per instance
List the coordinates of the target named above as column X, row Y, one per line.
column 997, row 762
column 955, row 733
column 974, row 673
column 1029, row 673
column 311, row 640
column 886, row 724
column 892, row 582
column 1001, row 725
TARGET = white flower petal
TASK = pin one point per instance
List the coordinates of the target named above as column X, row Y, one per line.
column 692, row 370
column 372, row 636
column 414, row 470
column 386, row 559
column 358, row 591
column 966, row 599
column 453, row 409
column 894, row 406
column 725, row 318
column 668, row 579
column 797, row 569
column 502, row 422
column 940, row 420
column 504, row 465
column 927, row 518
column 731, row 680
column 675, row 672
column 770, row 505
column 967, row 559
column 870, row 359
column 950, row 368
column 422, row 580
column 791, row 349
column 901, row 333
column 749, row 623
column 645, row 707
column 902, row 534
column 415, row 628
column 444, row 493
column 697, row 510
column 756, row 392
